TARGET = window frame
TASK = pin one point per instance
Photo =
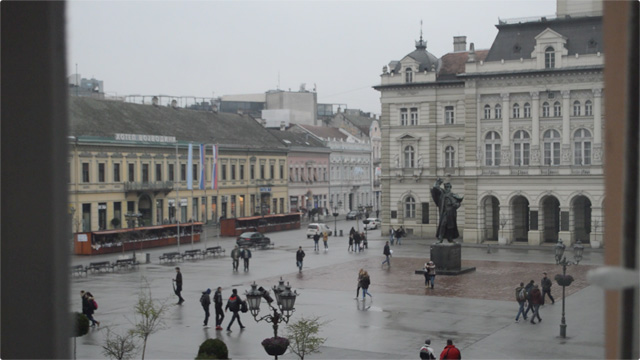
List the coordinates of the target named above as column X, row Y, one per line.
column 516, row 111
column 409, row 156
column 577, row 108
column 498, row 111
column 552, row 146
column 449, row 115
column 404, row 116
column 492, row 144
column 408, row 75
column 588, row 108
column 526, row 110
column 409, row 207
column 546, row 108
column 487, row 112
column 557, row 109
column 582, row 147
column 521, row 148
column 449, row 156
column 549, row 58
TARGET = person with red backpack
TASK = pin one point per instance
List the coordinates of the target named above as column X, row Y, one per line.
column 450, row 351
column 234, row 304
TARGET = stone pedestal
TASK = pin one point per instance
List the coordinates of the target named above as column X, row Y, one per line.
column 448, row 259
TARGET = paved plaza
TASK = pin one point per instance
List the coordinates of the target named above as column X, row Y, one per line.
column 477, row 310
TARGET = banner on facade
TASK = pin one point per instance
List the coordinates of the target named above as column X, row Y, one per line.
column 202, row 166
column 214, row 168
column 190, row 168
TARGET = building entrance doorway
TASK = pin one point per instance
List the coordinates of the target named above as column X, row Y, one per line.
column 491, row 207
column 551, row 216
column 144, row 208
column 520, row 206
column 581, row 218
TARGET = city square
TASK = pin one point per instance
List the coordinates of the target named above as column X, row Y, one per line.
column 476, row 310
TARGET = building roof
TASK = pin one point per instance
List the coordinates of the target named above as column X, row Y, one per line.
column 426, row 60
column 102, row 118
column 324, row 132
column 363, row 123
column 293, row 139
column 515, row 41
column 454, row 63
column 245, row 97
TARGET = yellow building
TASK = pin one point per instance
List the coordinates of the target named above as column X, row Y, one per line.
column 129, row 165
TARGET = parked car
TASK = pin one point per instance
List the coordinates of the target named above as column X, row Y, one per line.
column 252, row 239
column 314, row 228
column 354, row 214
column 373, row 224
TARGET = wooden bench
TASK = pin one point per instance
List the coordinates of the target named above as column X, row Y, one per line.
column 100, row 265
column 214, row 251
column 171, row 256
column 193, row 254
column 128, row 263
column 78, row 269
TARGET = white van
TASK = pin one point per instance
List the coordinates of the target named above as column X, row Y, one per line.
column 318, row 228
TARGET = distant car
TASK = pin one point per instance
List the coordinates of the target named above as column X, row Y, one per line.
column 252, row 239
column 353, row 215
column 373, row 224
column 314, row 228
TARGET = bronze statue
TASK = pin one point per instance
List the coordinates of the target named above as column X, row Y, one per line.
column 448, row 204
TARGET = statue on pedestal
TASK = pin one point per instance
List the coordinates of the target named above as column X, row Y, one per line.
column 448, row 204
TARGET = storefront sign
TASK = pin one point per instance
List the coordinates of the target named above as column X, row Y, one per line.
column 146, row 138
column 183, row 202
column 82, row 238
column 265, row 189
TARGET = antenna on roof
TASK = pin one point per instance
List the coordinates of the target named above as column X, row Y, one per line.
column 420, row 29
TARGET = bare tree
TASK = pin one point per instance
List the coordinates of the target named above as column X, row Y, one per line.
column 302, row 336
column 118, row 346
column 149, row 316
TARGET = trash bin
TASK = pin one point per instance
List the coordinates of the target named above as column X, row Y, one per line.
column 148, row 258
column 340, row 232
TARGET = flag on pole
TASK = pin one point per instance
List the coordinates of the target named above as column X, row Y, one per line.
column 214, row 168
column 202, row 166
column 190, row 168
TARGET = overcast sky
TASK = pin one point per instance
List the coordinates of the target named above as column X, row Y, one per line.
column 215, row 48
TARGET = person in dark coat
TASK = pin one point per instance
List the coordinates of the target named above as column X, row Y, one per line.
column 387, row 252
column 316, row 239
column 88, row 307
column 217, row 301
column 235, row 257
column 521, row 302
column 299, row 258
column 399, row 234
column 448, row 204
column 205, row 301
column 245, row 254
column 364, row 284
column 546, row 288
column 527, row 290
column 178, row 285
column 450, row 351
column 535, row 299
column 350, row 248
column 233, row 304
column 356, row 240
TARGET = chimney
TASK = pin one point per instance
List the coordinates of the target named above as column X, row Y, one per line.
column 472, row 53
column 174, row 103
column 283, row 126
column 459, row 43
column 154, row 101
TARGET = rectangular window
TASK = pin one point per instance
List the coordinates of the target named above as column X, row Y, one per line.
column 281, row 171
column 132, row 173
column 85, row 172
column 487, row 112
column 233, row 171
column 498, row 112
column 116, row 172
column 117, row 213
column 272, row 171
column 576, row 109
column 101, row 174
column 448, row 115
column 86, row 217
column 223, row 171
column 414, row 116
column 557, row 111
column 158, row 172
column 527, row 111
column 516, row 112
column 171, row 170
column 145, row 173
column 195, row 172
column 588, row 109
column 252, row 170
column 183, row 172
column 241, row 172
column 262, row 171
column 403, row 116
column 552, row 153
column 425, row 213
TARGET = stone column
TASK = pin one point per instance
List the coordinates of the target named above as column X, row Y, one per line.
column 566, row 129
column 506, row 136
column 597, row 126
column 535, row 129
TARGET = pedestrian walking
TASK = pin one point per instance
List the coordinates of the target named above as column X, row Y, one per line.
column 387, row 253
column 527, row 290
column 299, row 258
column 426, row 351
column 356, row 241
column 205, row 301
column 316, row 239
column 546, row 288
column 325, row 239
column 177, row 286
column 429, row 274
column 235, row 257
column 365, row 243
column 392, row 234
column 234, row 304
column 217, row 301
column 521, row 298
column 245, row 254
column 399, row 235
column 360, row 275
column 535, row 300
column 450, row 351
column 350, row 248
column 364, row 284
column 89, row 306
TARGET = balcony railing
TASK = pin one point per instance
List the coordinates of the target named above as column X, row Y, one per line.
column 149, row 186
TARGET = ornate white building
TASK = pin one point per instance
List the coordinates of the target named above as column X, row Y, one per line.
column 517, row 130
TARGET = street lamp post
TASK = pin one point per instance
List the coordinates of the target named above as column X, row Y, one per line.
column 564, row 280
column 285, row 300
column 335, row 215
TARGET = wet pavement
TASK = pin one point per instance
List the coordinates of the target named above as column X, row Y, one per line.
column 476, row 309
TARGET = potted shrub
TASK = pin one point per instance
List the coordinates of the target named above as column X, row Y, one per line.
column 115, row 222
column 564, row 280
column 213, row 349
column 275, row 346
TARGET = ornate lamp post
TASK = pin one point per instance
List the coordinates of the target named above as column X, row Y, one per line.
column 285, row 300
column 335, row 215
column 564, row 280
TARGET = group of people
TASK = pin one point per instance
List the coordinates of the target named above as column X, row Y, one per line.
column 89, row 306
column 234, row 304
column 450, row 351
column 429, row 273
column 395, row 235
column 316, row 240
column 357, row 241
column 364, row 280
column 532, row 297
column 237, row 254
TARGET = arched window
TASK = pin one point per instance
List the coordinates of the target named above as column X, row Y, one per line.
column 576, row 108
column 408, row 75
column 549, row 58
column 588, row 109
column 492, row 149
column 527, row 110
column 516, row 111
column 409, row 157
column 487, row 111
column 545, row 109
column 582, row 147
column 557, row 109
column 409, row 207
column 521, row 144
column 551, row 147
column 449, row 157
column 499, row 111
